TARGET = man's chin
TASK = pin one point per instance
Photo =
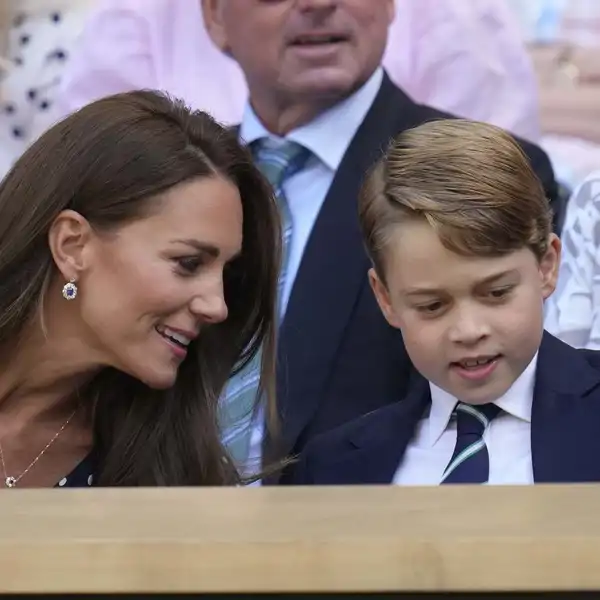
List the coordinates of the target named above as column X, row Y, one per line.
column 328, row 83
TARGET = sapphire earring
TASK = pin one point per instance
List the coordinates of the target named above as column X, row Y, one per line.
column 69, row 290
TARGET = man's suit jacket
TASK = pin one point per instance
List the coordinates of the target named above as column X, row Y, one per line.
column 338, row 358
column 565, row 426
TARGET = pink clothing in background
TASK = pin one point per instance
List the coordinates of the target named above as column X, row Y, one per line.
column 463, row 57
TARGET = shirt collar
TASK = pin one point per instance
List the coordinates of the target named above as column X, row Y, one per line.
column 329, row 135
column 517, row 401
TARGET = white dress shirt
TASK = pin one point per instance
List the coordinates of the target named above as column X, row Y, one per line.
column 327, row 137
column 508, row 438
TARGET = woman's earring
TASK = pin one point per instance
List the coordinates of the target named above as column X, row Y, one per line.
column 69, row 290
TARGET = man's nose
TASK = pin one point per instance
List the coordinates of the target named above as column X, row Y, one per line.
column 316, row 4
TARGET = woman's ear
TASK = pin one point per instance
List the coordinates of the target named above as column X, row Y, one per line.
column 69, row 239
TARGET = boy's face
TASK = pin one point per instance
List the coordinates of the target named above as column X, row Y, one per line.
column 470, row 325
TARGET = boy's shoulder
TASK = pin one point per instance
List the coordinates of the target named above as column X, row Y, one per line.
column 568, row 371
column 352, row 432
column 592, row 357
column 556, row 354
column 323, row 458
column 381, row 431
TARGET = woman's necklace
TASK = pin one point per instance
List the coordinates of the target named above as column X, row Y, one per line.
column 10, row 481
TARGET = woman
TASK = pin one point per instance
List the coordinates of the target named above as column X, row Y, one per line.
column 139, row 250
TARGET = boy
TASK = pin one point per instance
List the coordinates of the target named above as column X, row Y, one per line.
column 459, row 234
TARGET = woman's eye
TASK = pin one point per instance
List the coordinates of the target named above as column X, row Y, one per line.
column 189, row 264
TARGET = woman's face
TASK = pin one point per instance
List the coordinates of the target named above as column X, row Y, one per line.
column 152, row 285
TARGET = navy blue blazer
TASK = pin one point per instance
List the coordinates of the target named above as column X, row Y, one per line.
column 338, row 359
column 565, row 428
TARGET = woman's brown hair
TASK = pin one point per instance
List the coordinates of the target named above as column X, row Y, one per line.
column 108, row 162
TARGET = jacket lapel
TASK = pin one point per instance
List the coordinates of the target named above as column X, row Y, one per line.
column 331, row 275
column 375, row 450
column 565, row 420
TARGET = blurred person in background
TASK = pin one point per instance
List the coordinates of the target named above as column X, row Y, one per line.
column 564, row 41
column 36, row 41
column 460, row 56
column 573, row 311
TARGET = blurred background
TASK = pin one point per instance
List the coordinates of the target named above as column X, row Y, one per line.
column 46, row 46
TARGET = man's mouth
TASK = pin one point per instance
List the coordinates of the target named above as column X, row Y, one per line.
column 318, row 39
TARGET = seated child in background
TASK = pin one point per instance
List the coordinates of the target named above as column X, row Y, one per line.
column 459, row 232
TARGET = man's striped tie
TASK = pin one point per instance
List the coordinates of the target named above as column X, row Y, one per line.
column 470, row 462
column 278, row 161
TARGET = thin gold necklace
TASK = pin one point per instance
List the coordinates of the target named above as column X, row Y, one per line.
column 10, row 481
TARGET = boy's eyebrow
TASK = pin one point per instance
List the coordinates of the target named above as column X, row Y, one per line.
column 482, row 282
column 496, row 276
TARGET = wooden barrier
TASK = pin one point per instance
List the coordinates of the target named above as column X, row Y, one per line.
column 382, row 539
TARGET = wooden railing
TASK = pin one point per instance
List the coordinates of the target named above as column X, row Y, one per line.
column 442, row 539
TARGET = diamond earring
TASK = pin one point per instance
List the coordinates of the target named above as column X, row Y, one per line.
column 69, row 290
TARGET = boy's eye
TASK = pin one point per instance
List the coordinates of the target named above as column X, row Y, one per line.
column 500, row 293
column 432, row 307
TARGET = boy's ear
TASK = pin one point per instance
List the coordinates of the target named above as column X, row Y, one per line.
column 549, row 266
column 383, row 298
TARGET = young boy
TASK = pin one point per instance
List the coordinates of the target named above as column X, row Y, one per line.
column 459, row 234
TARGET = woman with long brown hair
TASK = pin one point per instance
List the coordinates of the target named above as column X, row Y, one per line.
column 139, row 251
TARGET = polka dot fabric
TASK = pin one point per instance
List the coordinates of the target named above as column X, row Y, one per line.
column 39, row 46
column 81, row 476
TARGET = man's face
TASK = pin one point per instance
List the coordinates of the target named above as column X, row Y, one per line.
column 304, row 49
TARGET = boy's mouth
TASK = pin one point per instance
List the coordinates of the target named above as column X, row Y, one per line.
column 477, row 362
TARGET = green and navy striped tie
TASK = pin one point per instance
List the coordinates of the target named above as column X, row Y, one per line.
column 470, row 461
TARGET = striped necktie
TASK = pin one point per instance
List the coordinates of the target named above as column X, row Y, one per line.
column 470, row 462
column 278, row 161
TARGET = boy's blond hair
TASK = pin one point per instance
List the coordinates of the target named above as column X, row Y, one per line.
column 470, row 181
